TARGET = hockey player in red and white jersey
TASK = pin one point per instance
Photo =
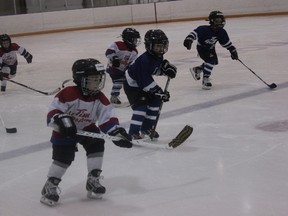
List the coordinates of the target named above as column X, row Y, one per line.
column 8, row 59
column 120, row 55
column 81, row 107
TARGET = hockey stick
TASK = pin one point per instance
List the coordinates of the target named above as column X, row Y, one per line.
column 178, row 140
column 272, row 85
column 160, row 108
column 8, row 130
column 64, row 82
column 114, row 138
column 28, row 87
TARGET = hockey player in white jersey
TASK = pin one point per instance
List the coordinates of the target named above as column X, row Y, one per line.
column 8, row 59
column 120, row 55
column 81, row 107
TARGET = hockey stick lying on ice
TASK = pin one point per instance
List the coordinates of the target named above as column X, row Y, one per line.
column 8, row 130
column 28, row 87
column 178, row 140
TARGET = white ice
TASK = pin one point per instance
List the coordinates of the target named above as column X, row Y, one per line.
column 234, row 164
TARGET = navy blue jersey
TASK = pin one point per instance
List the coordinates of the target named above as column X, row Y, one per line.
column 140, row 73
column 208, row 38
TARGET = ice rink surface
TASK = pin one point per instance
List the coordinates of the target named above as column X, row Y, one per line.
column 234, row 164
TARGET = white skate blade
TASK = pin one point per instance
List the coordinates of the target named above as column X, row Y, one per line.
column 47, row 201
column 92, row 195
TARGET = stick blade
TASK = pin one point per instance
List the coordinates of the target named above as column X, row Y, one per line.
column 11, row 130
column 273, row 85
column 181, row 137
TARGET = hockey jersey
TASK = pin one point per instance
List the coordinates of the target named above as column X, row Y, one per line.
column 87, row 112
column 140, row 73
column 10, row 57
column 125, row 55
column 207, row 38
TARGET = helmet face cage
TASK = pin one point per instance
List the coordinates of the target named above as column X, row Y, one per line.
column 5, row 41
column 131, row 37
column 91, row 85
column 217, row 19
column 89, row 75
column 156, row 42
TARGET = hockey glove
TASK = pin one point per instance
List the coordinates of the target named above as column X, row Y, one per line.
column 168, row 69
column 158, row 93
column 188, row 42
column 66, row 125
column 125, row 141
column 115, row 61
column 165, row 96
column 28, row 57
column 234, row 54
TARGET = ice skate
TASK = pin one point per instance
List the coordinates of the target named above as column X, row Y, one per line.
column 148, row 133
column 115, row 100
column 206, row 83
column 94, row 189
column 196, row 72
column 50, row 192
column 3, row 89
column 136, row 136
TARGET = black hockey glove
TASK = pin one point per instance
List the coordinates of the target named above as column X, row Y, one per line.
column 115, row 61
column 234, row 54
column 125, row 141
column 28, row 57
column 188, row 42
column 164, row 96
column 66, row 125
column 168, row 69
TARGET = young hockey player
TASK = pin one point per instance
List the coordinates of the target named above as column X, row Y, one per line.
column 8, row 59
column 207, row 37
column 120, row 55
column 143, row 93
column 79, row 108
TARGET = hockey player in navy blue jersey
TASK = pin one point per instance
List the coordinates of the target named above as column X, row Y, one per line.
column 81, row 107
column 144, row 94
column 8, row 59
column 120, row 55
column 207, row 37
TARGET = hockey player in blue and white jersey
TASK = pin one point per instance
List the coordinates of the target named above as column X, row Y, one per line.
column 75, row 108
column 143, row 93
column 120, row 55
column 207, row 36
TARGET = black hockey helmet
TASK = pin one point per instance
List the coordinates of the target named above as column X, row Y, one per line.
column 156, row 42
column 89, row 75
column 131, row 37
column 217, row 19
column 5, row 41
